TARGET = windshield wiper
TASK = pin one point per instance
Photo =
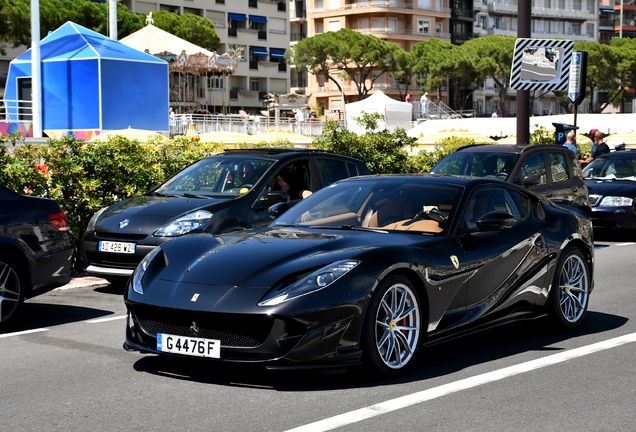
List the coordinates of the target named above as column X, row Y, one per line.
column 189, row 195
column 347, row 227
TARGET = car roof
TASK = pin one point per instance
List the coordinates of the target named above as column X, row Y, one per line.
column 273, row 151
column 516, row 148
column 622, row 154
column 435, row 179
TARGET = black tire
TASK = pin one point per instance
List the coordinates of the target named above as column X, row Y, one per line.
column 392, row 330
column 570, row 292
column 12, row 289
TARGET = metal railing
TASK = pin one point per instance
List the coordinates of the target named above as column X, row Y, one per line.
column 16, row 110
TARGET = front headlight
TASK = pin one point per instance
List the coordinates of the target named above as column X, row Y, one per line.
column 93, row 220
column 611, row 201
column 140, row 271
column 186, row 223
column 314, row 282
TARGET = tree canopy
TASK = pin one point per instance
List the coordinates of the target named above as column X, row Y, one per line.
column 15, row 22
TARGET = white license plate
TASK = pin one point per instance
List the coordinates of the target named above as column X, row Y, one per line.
column 192, row 346
column 116, row 247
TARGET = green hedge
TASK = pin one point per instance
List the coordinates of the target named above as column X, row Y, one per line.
column 84, row 177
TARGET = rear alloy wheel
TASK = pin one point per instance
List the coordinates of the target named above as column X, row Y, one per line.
column 570, row 291
column 11, row 290
column 392, row 326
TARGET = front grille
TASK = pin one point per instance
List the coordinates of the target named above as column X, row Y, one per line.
column 233, row 330
column 107, row 260
column 595, row 199
column 119, row 236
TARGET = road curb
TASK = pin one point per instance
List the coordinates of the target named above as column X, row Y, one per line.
column 84, row 282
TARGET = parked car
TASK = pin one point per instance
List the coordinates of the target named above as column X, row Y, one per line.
column 611, row 181
column 549, row 170
column 222, row 193
column 36, row 249
column 364, row 271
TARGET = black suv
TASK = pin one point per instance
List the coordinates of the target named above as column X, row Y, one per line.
column 549, row 170
column 221, row 193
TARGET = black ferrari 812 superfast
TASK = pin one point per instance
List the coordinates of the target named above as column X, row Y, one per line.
column 364, row 271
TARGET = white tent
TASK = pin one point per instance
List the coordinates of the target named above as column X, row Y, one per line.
column 396, row 113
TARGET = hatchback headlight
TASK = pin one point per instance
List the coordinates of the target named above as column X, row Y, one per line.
column 611, row 201
column 316, row 281
column 93, row 220
column 186, row 223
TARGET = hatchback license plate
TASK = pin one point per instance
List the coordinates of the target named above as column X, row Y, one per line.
column 116, row 247
column 191, row 346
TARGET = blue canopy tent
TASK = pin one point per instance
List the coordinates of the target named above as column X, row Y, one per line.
column 92, row 83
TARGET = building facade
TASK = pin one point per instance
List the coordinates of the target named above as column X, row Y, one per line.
column 259, row 29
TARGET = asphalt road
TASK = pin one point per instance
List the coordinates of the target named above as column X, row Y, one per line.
column 71, row 373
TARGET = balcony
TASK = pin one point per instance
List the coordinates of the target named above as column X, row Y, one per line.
column 298, row 82
column 298, row 14
column 384, row 4
column 295, row 37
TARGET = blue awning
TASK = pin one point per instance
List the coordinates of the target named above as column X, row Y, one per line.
column 277, row 52
column 259, row 51
column 607, row 10
column 256, row 18
column 237, row 17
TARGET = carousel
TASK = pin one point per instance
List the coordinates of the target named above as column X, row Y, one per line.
column 192, row 69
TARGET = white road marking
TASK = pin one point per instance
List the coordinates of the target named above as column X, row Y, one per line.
column 20, row 333
column 624, row 244
column 101, row 320
column 436, row 392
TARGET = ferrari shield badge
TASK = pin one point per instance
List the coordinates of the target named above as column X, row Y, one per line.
column 455, row 261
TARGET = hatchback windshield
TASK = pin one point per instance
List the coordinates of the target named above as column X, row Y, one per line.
column 216, row 176
column 496, row 165
column 375, row 204
column 611, row 169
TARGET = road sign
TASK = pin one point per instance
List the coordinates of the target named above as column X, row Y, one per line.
column 578, row 71
column 541, row 64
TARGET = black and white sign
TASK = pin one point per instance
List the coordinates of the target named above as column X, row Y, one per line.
column 578, row 71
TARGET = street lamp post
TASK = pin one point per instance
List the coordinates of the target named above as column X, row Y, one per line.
column 36, row 70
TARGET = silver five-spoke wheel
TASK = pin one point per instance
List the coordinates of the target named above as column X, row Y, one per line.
column 570, row 290
column 393, row 326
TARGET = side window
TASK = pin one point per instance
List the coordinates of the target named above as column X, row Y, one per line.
column 534, row 167
column 558, row 167
column 293, row 179
column 489, row 200
column 332, row 170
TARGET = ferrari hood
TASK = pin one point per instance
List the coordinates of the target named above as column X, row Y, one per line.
column 258, row 258
column 144, row 214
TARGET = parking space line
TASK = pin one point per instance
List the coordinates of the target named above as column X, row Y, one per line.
column 625, row 244
column 464, row 384
column 20, row 333
column 101, row 320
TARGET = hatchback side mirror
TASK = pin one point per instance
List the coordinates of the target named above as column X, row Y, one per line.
column 531, row 180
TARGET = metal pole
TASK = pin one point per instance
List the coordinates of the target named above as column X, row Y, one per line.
column 112, row 19
column 523, row 96
column 36, row 70
column 620, row 26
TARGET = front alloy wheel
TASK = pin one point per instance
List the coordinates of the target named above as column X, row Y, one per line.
column 392, row 326
column 570, row 289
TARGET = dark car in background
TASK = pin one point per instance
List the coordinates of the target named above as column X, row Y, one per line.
column 225, row 192
column 366, row 270
column 549, row 170
column 611, row 181
column 36, row 249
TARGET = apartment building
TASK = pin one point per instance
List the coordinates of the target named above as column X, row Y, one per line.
column 617, row 19
column 259, row 28
column 404, row 23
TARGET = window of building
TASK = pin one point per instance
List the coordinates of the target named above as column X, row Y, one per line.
column 218, row 18
column 320, row 27
column 438, row 28
column 423, row 26
column 424, row 4
column 277, row 25
column 215, row 82
column 378, row 23
column 590, row 29
column 334, row 25
column 363, row 23
column 576, row 5
column 561, row 4
column 393, row 25
column 576, row 29
column 233, row 48
column 255, row 84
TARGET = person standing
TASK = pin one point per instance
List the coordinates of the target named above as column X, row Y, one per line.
column 408, row 97
column 570, row 142
column 601, row 147
column 424, row 105
column 495, row 114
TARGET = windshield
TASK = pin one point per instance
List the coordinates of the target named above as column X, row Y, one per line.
column 377, row 203
column 220, row 176
column 499, row 165
column 611, row 169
